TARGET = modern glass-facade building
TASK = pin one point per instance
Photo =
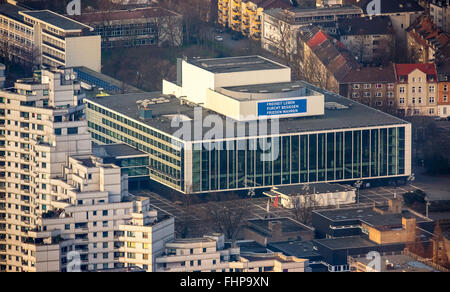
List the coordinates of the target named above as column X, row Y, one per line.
column 303, row 158
column 314, row 135
column 333, row 155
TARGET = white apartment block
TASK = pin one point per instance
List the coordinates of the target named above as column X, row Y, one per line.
column 210, row 253
column 61, row 208
column 41, row 123
column 47, row 38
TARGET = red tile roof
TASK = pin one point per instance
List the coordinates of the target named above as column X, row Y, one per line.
column 317, row 40
column 405, row 69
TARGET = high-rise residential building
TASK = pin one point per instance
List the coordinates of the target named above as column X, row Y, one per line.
column 61, row 208
column 417, row 89
column 47, row 38
column 320, row 137
column 41, row 123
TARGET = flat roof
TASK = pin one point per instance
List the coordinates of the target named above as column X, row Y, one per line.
column 128, row 14
column 287, row 224
column 399, row 263
column 116, row 150
column 55, row 19
column 345, row 242
column 248, row 246
column 11, row 11
column 354, row 115
column 299, row 249
column 236, row 64
column 300, row 189
column 368, row 216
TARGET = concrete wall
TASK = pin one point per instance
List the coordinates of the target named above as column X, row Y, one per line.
column 84, row 51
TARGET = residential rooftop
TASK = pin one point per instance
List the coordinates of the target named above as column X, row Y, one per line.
column 382, row 74
column 236, row 64
column 394, row 6
column 377, row 25
column 56, row 20
column 340, row 114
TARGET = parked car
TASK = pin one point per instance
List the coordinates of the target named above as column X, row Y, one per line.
column 218, row 38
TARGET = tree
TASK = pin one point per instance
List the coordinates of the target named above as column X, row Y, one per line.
column 229, row 217
column 303, row 208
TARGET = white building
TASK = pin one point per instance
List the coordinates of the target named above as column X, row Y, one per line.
column 47, row 38
column 60, row 207
column 211, row 254
column 317, row 195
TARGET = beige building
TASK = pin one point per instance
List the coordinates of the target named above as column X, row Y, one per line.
column 417, row 89
column 47, row 38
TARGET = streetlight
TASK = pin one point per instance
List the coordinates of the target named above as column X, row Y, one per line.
column 358, row 185
column 427, row 204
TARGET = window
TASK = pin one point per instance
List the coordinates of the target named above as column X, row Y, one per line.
column 367, row 86
column 431, row 111
column 379, row 94
column 379, row 85
column 445, row 98
column 413, row 89
column 431, row 99
column 105, row 234
column 72, row 131
column 355, row 86
column 402, row 89
column 413, row 100
column 355, row 94
column 445, row 87
column 105, row 212
column 58, row 132
column 420, row 100
column 431, row 88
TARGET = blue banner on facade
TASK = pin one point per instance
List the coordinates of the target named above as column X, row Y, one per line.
column 281, row 107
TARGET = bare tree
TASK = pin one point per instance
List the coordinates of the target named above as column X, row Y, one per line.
column 170, row 30
column 229, row 217
column 303, row 208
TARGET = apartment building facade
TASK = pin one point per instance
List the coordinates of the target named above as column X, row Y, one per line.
column 47, row 38
column 246, row 16
column 417, row 89
column 373, row 86
column 440, row 12
column 369, row 39
column 61, row 208
column 151, row 26
column 426, row 43
column 41, row 123
column 443, row 93
column 278, row 21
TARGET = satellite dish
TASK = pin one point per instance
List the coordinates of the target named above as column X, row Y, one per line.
column 67, row 77
column 72, row 76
